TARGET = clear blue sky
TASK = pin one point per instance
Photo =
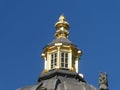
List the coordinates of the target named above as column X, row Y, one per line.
column 26, row 26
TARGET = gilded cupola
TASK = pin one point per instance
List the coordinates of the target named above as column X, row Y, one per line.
column 61, row 58
column 61, row 53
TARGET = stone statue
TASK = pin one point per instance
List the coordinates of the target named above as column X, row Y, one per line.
column 103, row 81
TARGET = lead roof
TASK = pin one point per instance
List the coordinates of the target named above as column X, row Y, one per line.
column 60, row 80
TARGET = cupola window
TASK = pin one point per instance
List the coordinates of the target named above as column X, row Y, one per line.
column 53, row 60
column 64, row 60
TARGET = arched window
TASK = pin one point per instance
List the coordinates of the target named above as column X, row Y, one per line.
column 53, row 60
column 64, row 60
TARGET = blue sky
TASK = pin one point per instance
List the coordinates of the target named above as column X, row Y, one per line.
column 26, row 26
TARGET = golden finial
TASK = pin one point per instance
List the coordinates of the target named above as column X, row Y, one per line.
column 62, row 27
column 62, row 23
column 62, row 18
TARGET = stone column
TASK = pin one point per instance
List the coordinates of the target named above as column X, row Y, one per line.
column 70, row 60
column 58, row 58
column 76, row 64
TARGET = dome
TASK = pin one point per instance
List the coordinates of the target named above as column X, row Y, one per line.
column 61, row 59
column 60, row 80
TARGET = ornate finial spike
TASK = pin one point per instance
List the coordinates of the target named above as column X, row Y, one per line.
column 62, row 27
column 62, row 23
column 62, row 18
